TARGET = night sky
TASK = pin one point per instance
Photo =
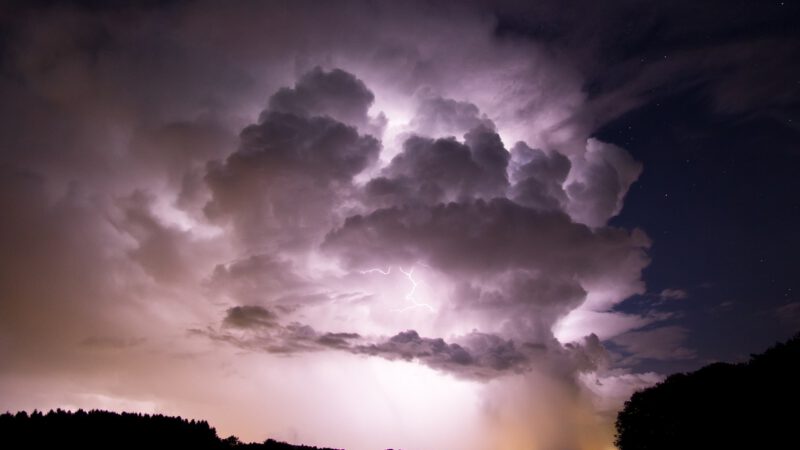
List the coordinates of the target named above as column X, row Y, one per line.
column 460, row 225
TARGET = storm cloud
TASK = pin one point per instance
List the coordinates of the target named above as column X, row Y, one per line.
column 303, row 191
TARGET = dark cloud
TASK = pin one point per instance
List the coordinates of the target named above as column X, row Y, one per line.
column 317, row 146
column 254, row 328
column 538, row 178
column 494, row 352
column 589, row 354
column 484, row 236
column 337, row 340
column 490, row 155
column 249, row 317
column 441, row 170
column 527, row 268
column 281, row 159
column 336, row 94
column 410, row 346
column 475, row 355
column 524, row 303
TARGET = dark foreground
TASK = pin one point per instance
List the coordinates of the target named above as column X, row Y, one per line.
column 751, row 405
column 107, row 430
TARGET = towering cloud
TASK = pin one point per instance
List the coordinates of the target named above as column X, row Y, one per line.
column 337, row 94
column 514, row 240
column 314, row 208
column 297, row 163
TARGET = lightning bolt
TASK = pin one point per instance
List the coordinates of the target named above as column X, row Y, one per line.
column 410, row 295
column 380, row 271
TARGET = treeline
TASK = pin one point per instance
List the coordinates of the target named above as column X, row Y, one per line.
column 109, row 430
column 751, row 405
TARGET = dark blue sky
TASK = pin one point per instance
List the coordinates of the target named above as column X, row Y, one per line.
column 718, row 196
column 715, row 89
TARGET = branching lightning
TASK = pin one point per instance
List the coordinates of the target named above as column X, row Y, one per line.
column 410, row 296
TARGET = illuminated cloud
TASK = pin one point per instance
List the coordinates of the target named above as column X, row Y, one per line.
column 538, row 178
column 442, row 170
column 194, row 215
column 284, row 181
column 439, row 116
column 336, row 94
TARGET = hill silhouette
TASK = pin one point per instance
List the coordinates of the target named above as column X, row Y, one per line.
column 109, row 430
column 751, row 405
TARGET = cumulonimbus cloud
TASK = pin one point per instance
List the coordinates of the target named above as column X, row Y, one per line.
column 184, row 176
column 505, row 229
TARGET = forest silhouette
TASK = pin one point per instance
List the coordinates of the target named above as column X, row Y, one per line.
column 750, row 405
column 96, row 429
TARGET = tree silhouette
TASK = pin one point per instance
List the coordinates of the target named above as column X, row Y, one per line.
column 752, row 405
column 108, row 430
